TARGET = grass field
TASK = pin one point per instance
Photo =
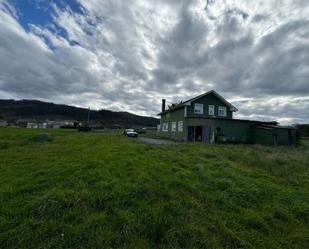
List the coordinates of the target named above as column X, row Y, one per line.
column 97, row 190
column 305, row 141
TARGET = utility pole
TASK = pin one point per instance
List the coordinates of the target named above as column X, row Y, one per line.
column 88, row 116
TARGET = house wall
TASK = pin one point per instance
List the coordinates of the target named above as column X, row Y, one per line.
column 243, row 131
column 220, row 130
column 202, row 122
column 265, row 136
column 169, row 118
column 231, row 131
column 224, row 130
column 294, row 136
column 206, row 101
column 237, row 131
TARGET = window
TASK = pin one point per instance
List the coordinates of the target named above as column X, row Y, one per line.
column 180, row 126
column 168, row 115
column 165, row 127
column 158, row 127
column 174, row 126
column 198, row 108
column 222, row 111
column 211, row 110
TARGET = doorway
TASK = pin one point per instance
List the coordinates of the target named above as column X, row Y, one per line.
column 198, row 133
column 191, row 133
column 275, row 139
column 290, row 136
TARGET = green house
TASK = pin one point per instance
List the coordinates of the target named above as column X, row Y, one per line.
column 209, row 118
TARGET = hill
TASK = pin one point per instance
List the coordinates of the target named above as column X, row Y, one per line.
column 90, row 190
column 38, row 110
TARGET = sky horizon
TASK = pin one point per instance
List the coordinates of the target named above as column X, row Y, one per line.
column 128, row 55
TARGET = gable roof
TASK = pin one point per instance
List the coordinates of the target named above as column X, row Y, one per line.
column 188, row 102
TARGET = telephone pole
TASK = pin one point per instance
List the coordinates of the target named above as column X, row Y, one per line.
column 88, row 116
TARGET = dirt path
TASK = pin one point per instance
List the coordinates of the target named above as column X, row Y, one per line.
column 147, row 140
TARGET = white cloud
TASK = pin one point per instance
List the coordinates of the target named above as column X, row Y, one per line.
column 127, row 55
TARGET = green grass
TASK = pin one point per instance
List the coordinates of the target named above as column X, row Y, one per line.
column 305, row 141
column 102, row 190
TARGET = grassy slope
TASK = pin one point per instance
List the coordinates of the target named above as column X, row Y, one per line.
column 107, row 191
column 306, row 142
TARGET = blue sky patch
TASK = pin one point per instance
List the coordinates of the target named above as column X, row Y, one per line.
column 41, row 12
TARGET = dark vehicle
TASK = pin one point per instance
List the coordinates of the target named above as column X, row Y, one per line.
column 130, row 133
column 85, row 128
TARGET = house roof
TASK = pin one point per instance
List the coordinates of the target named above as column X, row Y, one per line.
column 188, row 102
column 269, row 126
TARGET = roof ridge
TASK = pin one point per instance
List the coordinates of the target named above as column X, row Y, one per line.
column 200, row 96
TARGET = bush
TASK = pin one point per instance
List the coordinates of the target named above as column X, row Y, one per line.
column 84, row 129
column 42, row 137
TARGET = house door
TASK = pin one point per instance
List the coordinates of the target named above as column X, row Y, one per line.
column 195, row 133
column 191, row 133
column 206, row 137
column 290, row 136
column 198, row 133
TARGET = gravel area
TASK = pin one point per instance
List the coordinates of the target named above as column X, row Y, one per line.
column 147, row 140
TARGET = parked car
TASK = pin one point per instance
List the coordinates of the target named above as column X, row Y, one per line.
column 84, row 128
column 130, row 133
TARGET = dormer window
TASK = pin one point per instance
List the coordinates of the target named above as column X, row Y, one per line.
column 211, row 110
column 198, row 108
column 222, row 111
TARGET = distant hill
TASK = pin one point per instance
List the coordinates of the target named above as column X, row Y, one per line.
column 39, row 110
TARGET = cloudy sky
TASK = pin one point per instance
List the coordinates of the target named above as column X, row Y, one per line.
column 127, row 55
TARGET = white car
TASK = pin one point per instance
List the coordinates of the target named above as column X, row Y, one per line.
column 130, row 133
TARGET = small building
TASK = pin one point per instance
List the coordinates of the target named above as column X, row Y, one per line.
column 3, row 123
column 209, row 118
column 22, row 123
column 32, row 125
column 36, row 125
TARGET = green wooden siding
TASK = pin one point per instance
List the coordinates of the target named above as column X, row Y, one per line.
column 206, row 101
column 222, row 129
column 233, row 130
column 169, row 118
column 266, row 136
column 237, row 131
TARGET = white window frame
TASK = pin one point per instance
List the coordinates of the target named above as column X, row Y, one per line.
column 222, row 111
column 180, row 126
column 173, row 126
column 198, row 108
column 165, row 127
column 211, row 110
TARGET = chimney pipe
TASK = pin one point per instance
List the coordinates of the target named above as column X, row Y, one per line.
column 163, row 105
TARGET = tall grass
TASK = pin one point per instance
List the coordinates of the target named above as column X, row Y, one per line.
column 107, row 191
